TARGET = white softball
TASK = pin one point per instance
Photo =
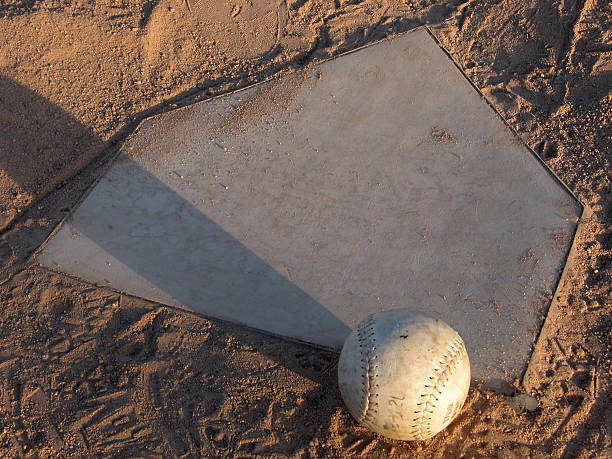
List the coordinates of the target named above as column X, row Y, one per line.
column 403, row 374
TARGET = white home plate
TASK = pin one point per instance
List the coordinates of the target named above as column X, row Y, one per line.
column 377, row 180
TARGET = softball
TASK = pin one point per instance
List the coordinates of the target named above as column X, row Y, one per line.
column 403, row 374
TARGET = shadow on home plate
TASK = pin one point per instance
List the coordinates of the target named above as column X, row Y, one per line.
column 176, row 255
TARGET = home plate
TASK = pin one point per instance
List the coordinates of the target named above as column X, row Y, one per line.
column 377, row 180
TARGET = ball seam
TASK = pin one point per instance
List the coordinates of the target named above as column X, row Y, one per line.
column 438, row 380
column 367, row 346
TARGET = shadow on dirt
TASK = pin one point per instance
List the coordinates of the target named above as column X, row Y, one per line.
column 40, row 146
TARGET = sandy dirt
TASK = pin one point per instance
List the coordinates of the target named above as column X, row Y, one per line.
column 85, row 372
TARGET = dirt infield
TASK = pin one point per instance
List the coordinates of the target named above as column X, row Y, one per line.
column 88, row 373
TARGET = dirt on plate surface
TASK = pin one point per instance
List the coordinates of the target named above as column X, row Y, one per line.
column 85, row 372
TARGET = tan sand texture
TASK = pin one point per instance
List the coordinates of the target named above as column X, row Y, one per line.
column 85, row 372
